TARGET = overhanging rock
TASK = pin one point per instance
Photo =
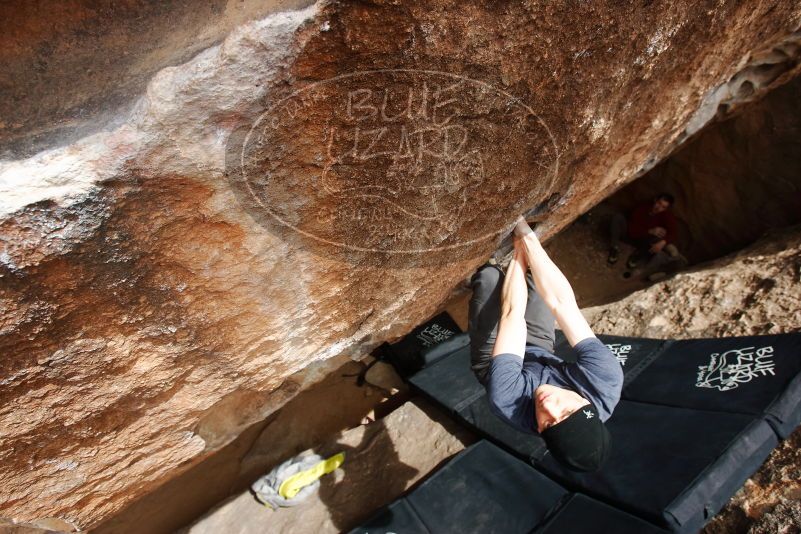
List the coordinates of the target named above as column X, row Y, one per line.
column 310, row 187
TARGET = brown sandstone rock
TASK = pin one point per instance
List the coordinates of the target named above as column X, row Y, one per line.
column 383, row 375
column 69, row 66
column 161, row 279
column 10, row 527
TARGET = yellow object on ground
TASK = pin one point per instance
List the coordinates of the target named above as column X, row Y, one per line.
column 292, row 485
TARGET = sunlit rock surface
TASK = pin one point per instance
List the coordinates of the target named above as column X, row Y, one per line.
column 269, row 205
column 69, row 67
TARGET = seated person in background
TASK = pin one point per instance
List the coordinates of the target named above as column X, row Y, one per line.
column 651, row 228
column 511, row 326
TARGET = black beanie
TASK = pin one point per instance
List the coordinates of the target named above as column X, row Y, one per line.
column 580, row 441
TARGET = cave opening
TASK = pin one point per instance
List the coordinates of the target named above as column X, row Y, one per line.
column 733, row 181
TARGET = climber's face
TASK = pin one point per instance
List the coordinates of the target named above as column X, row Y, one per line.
column 552, row 404
column 660, row 206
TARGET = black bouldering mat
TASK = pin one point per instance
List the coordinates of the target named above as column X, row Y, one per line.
column 406, row 355
column 486, row 490
column 477, row 414
column 583, row 514
column 450, row 382
column 675, row 467
column 758, row 375
column 431, row 355
column 482, row 489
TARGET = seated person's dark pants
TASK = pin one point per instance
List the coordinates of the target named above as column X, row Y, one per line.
column 617, row 232
column 485, row 311
column 642, row 246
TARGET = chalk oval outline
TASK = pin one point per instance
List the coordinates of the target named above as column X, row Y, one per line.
column 554, row 166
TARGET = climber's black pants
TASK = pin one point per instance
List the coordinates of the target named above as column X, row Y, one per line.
column 485, row 311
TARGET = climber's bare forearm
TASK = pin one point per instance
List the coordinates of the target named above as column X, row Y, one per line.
column 551, row 284
column 511, row 337
column 555, row 290
column 514, row 293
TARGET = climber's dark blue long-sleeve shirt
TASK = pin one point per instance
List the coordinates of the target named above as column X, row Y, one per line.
column 596, row 375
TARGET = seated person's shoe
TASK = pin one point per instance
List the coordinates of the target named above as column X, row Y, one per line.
column 613, row 253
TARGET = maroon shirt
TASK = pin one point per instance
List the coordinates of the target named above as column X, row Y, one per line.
column 641, row 221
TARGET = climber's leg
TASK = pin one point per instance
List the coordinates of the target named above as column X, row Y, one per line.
column 539, row 319
column 484, row 313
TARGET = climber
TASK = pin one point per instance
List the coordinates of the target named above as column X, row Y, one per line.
column 651, row 229
column 511, row 328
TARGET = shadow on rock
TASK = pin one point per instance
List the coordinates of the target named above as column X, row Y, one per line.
column 372, row 476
